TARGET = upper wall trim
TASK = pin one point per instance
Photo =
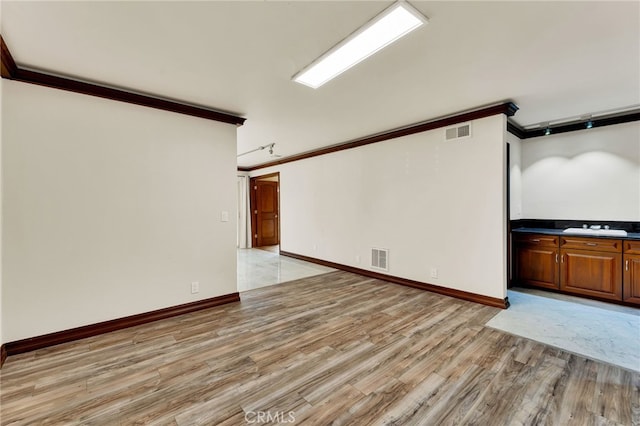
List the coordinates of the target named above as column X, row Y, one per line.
column 507, row 108
column 602, row 121
column 9, row 67
column 13, row 72
column 514, row 129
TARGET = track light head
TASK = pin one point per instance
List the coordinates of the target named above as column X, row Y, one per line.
column 260, row 148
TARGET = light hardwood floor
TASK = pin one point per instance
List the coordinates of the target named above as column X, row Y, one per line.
column 336, row 348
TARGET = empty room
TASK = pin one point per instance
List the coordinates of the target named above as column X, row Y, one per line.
column 320, row 212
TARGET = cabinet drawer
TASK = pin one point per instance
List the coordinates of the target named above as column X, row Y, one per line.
column 536, row 239
column 598, row 244
column 631, row 247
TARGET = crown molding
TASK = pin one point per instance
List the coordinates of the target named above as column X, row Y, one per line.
column 9, row 67
column 12, row 71
column 506, row 108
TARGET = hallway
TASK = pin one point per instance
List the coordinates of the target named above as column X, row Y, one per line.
column 260, row 268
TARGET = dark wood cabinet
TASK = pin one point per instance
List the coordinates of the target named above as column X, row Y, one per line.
column 591, row 273
column 603, row 268
column 536, row 260
column 631, row 279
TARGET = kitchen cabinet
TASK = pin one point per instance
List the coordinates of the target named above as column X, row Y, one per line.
column 631, row 279
column 536, row 260
column 603, row 268
column 591, row 267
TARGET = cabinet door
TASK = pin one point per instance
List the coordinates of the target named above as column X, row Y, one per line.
column 537, row 266
column 632, row 278
column 591, row 273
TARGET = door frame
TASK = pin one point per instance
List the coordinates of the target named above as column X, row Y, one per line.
column 508, row 213
column 252, row 203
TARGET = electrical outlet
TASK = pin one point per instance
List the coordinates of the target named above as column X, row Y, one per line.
column 358, row 259
column 315, row 247
column 434, row 272
column 195, row 287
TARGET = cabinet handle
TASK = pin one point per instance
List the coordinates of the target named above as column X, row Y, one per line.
column 556, row 257
column 626, row 265
column 591, row 244
column 535, row 240
column 562, row 259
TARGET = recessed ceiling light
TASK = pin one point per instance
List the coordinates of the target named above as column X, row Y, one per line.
column 390, row 25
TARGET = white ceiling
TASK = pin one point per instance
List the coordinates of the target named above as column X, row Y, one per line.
column 553, row 59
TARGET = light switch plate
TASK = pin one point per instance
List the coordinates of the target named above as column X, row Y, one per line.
column 224, row 216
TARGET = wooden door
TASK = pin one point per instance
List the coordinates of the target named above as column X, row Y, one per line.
column 592, row 273
column 265, row 222
column 631, row 282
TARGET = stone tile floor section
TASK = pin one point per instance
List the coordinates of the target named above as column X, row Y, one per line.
column 260, row 268
column 596, row 330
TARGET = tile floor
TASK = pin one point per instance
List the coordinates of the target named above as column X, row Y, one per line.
column 596, row 330
column 260, row 268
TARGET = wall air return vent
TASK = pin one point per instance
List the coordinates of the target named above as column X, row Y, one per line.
column 380, row 259
column 458, row 132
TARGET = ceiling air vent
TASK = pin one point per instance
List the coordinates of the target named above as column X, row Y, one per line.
column 380, row 258
column 458, row 132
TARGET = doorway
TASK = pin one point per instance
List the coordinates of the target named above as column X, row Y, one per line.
column 265, row 210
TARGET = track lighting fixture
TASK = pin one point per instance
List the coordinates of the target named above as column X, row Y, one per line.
column 260, row 148
column 270, row 146
column 587, row 120
column 547, row 129
column 581, row 122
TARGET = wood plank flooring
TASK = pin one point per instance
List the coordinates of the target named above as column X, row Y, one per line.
column 332, row 349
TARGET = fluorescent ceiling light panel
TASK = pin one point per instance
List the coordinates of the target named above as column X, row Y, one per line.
column 393, row 23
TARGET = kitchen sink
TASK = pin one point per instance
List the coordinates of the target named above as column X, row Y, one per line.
column 596, row 232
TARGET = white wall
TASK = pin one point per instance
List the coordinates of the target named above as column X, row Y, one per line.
column 515, row 172
column 590, row 174
column 431, row 203
column 110, row 209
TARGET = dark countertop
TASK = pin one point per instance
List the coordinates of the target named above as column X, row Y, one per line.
column 550, row 231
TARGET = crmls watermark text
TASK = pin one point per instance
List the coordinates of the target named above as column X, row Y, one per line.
column 269, row 417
